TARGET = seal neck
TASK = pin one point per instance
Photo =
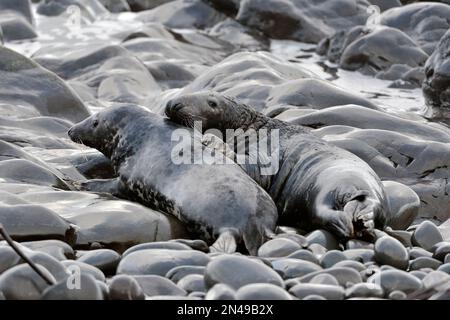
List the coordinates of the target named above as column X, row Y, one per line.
column 245, row 118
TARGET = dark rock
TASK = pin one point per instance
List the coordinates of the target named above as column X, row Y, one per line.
column 116, row 6
column 141, row 5
column 223, row 270
column 195, row 244
column 324, row 238
column 441, row 250
column 159, row 261
column 444, row 268
column 123, row 287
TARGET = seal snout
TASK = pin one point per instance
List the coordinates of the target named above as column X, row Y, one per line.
column 173, row 106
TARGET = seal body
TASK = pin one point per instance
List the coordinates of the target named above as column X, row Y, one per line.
column 218, row 202
column 318, row 185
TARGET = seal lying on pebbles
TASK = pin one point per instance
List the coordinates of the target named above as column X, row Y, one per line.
column 317, row 184
column 218, row 202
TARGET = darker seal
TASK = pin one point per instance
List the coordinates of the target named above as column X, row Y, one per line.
column 218, row 202
column 318, row 185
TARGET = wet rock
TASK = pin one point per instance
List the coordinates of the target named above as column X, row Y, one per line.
column 364, row 290
column 8, row 258
column 424, row 262
column 77, row 267
column 229, row 7
column 223, row 270
column 392, row 280
column 85, row 289
column 56, row 248
column 157, row 245
column 104, row 259
column 197, row 294
column 426, row 235
column 183, row 14
column 26, row 83
column 314, row 297
column 329, row 292
column 55, row 267
column 404, row 205
column 121, row 224
column 332, row 257
column 260, row 291
column 278, row 248
column 358, row 266
column 397, row 295
column 123, row 287
column 324, row 279
column 23, row 283
column 317, row 249
column 180, row 272
column 292, row 268
column 343, row 275
column 32, row 222
column 153, row 285
column 363, row 255
column 304, row 254
column 391, row 252
column 159, row 261
column 192, row 283
column 301, row 20
column 220, row 291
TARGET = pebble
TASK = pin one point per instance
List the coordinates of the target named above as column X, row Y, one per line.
column 358, row 266
column 192, row 283
column 364, row 290
column 392, row 280
column 436, row 280
column 362, row 255
column 153, row 285
column 417, row 252
column 389, row 251
column 447, row 258
column 223, row 270
column 56, row 248
column 262, row 291
column 75, row 265
column 397, row 295
column 304, row 254
column 342, row 275
column 279, row 247
column 426, row 235
column 8, row 258
column 23, row 283
column 441, row 251
column 123, row 287
column 221, row 291
column 104, row 259
column 332, row 257
column 324, row 238
column 424, row 262
column 85, row 288
column 292, row 268
column 299, row 239
column 358, row 244
column 324, row 279
column 314, row 297
column 418, row 274
column 196, row 244
column 444, row 268
column 329, row 292
column 317, row 250
column 159, row 261
column 177, row 273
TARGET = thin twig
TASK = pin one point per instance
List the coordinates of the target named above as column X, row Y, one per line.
column 13, row 245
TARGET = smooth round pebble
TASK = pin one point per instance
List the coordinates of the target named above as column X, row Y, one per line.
column 343, row 275
column 441, row 251
column 104, row 259
column 424, row 262
column 167, row 245
column 221, row 291
column 364, row 290
column 358, row 266
column 237, row 271
column 389, row 251
column 332, row 257
column 324, row 238
column 314, row 297
column 177, row 273
column 444, row 268
column 317, row 250
column 304, row 254
column 418, row 274
column 426, row 235
column 8, row 258
column 329, row 292
column 361, row 255
column 154, row 285
column 192, row 282
column 292, row 268
column 279, row 247
column 195, row 244
column 85, row 288
column 397, row 295
column 392, row 280
column 75, row 266
column 324, row 278
column 358, row 244
column 418, row 252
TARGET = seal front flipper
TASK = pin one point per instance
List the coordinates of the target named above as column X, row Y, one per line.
column 403, row 205
column 226, row 241
column 112, row 186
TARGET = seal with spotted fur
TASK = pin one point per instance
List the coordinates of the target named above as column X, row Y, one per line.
column 219, row 202
column 318, row 185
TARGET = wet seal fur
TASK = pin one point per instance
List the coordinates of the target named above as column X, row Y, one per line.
column 318, row 185
column 218, row 202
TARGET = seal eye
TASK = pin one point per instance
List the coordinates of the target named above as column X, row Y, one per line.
column 95, row 124
column 212, row 104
